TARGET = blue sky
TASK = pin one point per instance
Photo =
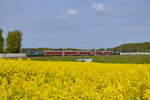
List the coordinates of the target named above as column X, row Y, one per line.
column 77, row 23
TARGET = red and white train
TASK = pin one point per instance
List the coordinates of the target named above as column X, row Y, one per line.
column 70, row 53
column 77, row 53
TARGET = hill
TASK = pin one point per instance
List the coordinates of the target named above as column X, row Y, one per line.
column 133, row 47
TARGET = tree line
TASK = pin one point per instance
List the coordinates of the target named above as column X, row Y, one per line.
column 13, row 42
column 52, row 49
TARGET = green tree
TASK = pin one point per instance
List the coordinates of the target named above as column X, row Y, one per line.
column 102, row 49
column 1, row 41
column 109, row 49
column 14, row 41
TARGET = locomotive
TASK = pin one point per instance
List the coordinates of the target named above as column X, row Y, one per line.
column 70, row 53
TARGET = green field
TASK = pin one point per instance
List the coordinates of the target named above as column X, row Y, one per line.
column 135, row 59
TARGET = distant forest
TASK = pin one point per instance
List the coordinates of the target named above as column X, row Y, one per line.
column 130, row 47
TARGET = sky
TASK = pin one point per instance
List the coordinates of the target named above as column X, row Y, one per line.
column 77, row 23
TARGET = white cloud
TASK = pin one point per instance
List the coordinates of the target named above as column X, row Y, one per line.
column 72, row 12
column 101, row 8
column 67, row 15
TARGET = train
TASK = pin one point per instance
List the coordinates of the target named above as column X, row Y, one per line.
column 69, row 53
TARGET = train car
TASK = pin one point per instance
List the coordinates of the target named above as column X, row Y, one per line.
column 101, row 53
column 53, row 53
column 84, row 53
column 66, row 53
column 34, row 53
column 106, row 53
column 29, row 53
column 116, row 53
column 71, row 53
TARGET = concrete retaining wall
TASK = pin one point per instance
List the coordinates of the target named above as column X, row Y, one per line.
column 136, row 53
column 13, row 55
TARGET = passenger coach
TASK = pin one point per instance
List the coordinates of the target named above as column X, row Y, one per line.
column 71, row 53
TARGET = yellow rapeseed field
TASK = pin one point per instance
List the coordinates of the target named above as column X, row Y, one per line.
column 37, row 80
